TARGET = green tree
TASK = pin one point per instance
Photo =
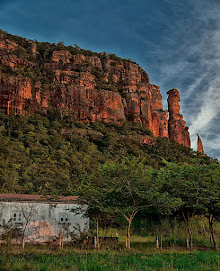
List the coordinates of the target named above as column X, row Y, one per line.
column 185, row 182
column 210, row 202
column 131, row 188
column 91, row 190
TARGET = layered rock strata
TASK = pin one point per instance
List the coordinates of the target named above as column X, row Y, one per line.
column 176, row 125
column 37, row 77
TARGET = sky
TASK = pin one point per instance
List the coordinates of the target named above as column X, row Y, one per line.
column 176, row 42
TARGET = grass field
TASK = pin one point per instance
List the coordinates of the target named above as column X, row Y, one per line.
column 45, row 259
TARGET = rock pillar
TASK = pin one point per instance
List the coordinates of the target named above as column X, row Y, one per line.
column 176, row 125
column 200, row 146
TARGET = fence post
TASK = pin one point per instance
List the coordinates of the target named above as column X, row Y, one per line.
column 187, row 243
column 157, row 242
column 60, row 241
column 95, row 243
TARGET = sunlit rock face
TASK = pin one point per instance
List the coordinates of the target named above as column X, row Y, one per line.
column 176, row 125
column 200, row 146
column 37, row 77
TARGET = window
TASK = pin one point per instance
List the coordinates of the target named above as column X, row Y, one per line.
column 17, row 217
column 64, row 218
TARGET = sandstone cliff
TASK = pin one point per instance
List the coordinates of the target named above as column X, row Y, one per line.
column 200, row 146
column 176, row 125
column 37, row 77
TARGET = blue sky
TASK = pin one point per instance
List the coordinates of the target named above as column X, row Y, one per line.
column 176, row 42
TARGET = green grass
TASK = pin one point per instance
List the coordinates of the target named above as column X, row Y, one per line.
column 47, row 259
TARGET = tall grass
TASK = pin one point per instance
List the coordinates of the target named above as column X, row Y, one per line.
column 143, row 254
column 106, row 261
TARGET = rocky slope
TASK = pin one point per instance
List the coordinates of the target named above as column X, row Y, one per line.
column 37, row 77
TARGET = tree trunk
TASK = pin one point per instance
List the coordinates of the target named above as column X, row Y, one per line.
column 190, row 232
column 61, row 239
column 23, row 241
column 187, row 243
column 188, row 220
column 62, row 244
column 212, row 231
column 191, row 240
column 97, row 233
column 128, row 234
column 129, row 219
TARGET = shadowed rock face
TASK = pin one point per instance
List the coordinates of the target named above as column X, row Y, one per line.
column 200, row 146
column 176, row 125
column 91, row 87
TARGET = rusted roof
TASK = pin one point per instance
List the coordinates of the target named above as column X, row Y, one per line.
column 27, row 197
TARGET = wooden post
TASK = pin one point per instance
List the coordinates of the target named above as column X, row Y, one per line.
column 97, row 233
column 95, row 244
column 157, row 242
column 8, row 107
column 23, row 242
column 187, row 243
column 60, row 241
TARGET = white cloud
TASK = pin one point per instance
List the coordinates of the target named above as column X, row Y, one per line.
column 194, row 67
column 194, row 86
column 210, row 108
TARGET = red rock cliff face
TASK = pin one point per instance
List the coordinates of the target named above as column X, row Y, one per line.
column 200, row 146
column 93, row 87
column 176, row 125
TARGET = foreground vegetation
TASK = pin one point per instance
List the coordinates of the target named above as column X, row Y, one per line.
column 47, row 259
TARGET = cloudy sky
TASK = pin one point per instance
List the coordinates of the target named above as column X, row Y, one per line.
column 176, row 42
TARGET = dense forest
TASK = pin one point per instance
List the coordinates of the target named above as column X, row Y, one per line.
column 47, row 150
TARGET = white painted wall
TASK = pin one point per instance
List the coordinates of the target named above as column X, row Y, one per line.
column 46, row 221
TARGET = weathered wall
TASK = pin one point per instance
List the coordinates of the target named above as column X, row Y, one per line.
column 45, row 223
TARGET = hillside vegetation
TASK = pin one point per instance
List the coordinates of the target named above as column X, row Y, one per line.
column 38, row 151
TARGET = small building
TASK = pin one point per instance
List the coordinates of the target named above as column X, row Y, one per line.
column 43, row 219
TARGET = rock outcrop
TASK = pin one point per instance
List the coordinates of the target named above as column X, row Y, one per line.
column 176, row 125
column 200, row 149
column 37, row 77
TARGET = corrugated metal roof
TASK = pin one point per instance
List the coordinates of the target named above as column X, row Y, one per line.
column 27, row 197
